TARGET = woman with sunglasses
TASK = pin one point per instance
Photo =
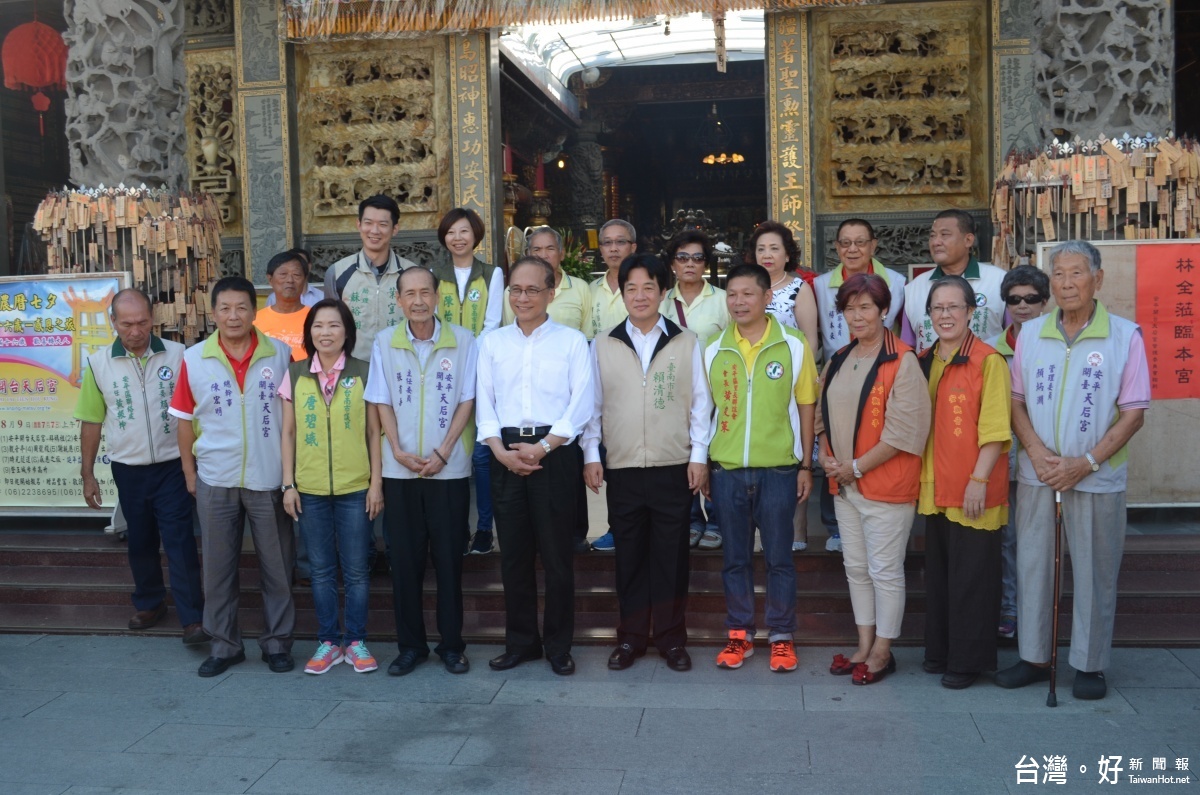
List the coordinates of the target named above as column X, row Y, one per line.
column 701, row 307
column 1025, row 291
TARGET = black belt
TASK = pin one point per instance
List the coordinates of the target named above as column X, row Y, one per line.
column 528, row 434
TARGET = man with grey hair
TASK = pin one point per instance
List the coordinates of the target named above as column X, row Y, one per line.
column 618, row 240
column 126, row 391
column 572, row 304
column 1081, row 385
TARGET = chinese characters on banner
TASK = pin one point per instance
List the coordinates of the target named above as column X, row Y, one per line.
column 48, row 326
column 469, row 63
column 1168, row 286
column 787, row 36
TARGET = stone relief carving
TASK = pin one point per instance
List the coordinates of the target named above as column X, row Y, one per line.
column 208, row 17
column 900, row 245
column 126, row 95
column 369, row 125
column 586, row 173
column 1018, row 107
column 233, row 260
column 903, row 90
column 258, row 26
column 1016, row 18
column 1103, row 67
column 212, row 133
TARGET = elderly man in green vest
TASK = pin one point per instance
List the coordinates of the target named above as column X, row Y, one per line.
column 366, row 280
column 1080, row 388
column 653, row 410
column 230, row 446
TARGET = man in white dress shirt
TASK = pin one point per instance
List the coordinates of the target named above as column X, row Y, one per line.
column 533, row 399
column 653, row 411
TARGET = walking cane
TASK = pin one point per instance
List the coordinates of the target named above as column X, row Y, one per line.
column 1052, row 698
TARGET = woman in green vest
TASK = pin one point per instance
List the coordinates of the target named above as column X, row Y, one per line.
column 333, row 477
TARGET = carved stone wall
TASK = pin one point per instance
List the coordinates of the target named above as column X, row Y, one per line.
column 586, row 172
column 904, row 89
column 900, row 245
column 212, row 134
column 126, row 94
column 1104, row 67
column 208, row 17
column 372, row 120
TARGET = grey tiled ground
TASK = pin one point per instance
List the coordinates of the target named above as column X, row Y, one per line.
column 107, row 715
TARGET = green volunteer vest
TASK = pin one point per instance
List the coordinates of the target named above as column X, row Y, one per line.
column 331, row 441
column 470, row 312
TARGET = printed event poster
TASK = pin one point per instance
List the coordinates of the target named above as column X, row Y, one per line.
column 1168, row 286
column 48, row 325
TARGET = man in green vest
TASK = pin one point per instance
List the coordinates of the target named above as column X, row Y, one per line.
column 764, row 384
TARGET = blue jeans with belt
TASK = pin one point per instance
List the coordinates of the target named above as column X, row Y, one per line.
column 764, row 497
column 338, row 532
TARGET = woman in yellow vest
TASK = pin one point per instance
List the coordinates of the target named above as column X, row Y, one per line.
column 964, row 488
column 872, row 422
column 333, row 476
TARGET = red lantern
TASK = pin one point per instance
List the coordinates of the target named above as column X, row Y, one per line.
column 34, row 56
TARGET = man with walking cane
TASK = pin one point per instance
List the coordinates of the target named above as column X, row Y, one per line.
column 1081, row 385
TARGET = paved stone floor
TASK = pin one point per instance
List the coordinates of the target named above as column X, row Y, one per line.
column 129, row 715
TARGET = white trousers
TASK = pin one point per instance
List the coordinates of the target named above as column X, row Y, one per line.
column 874, row 541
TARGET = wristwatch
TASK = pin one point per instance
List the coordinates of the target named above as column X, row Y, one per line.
column 1092, row 462
column 288, row 486
column 854, row 466
column 545, row 445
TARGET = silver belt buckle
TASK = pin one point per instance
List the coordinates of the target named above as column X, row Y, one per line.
column 526, row 430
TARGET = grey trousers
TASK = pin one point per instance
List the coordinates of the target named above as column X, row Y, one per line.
column 223, row 514
column 1094, row 532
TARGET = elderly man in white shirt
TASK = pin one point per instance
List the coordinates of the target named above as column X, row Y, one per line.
column 653, row 410
column 533, row 399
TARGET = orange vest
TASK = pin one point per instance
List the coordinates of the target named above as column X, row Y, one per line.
column 897, row 480
column 955, row 426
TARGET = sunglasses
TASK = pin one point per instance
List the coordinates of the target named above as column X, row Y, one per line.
column 684, row 257
column 1013, row 300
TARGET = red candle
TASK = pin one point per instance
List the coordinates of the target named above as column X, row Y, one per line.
column 539, row 180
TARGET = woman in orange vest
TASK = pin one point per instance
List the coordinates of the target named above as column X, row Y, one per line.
column 872, row 421
column 964, row 488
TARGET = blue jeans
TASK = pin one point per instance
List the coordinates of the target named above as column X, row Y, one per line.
column 697, row 520
column 337, row 531
column 828, row 515
column 481, row 462
column 764, row 497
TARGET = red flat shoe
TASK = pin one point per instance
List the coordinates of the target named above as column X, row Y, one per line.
column 842, row 665
column 864, row 676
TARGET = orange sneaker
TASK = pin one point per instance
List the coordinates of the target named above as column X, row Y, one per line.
column 783, row 656
column 736, row 650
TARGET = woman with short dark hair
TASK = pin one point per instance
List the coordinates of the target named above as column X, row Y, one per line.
column 872, row 421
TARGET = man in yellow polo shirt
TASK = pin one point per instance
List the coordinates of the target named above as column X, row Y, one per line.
column 618, row 240
column 764, row 385
column 572, row 304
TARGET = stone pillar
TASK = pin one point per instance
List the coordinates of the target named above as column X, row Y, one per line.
column 1103, row 68
column 126, row 95
column 262, row 114
column 788, row 124
column 1015, row 106
column 475, row 119
column 586, row 172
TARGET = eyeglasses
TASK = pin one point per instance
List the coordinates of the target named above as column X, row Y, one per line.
column 1013, row 300
column 614, row 243
column 531, row 292
column 949, row 309
column 683, row 256
column 862, row 243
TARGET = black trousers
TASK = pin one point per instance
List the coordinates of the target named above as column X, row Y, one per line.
column 649, row 513
column 535, row 516
column 962, row 595
column 427, row 518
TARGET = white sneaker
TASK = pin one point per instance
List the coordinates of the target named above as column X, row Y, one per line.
column 799, row 546
column 833, row 544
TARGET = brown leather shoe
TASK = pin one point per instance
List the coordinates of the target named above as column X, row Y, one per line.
column 194, row 635
column 144, row 619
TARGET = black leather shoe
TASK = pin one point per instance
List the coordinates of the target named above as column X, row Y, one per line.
column 194, row 635
column 582, row 547
column 1021, row 674
column 511, row 659
column 959, row 680
column 933, row 667
column 678, row 659
column 405, row 663
column 215, row 666
column 562, row 664
column 279, row 663
column 623, row 657
column 1089, row 685
column 144, row 619
column 456, row 662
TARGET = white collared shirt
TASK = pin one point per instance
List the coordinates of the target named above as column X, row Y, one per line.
column 700, row 416
column 541, row 379
column 423, row 347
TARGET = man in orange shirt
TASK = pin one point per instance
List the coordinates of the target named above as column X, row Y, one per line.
column 287, row 273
